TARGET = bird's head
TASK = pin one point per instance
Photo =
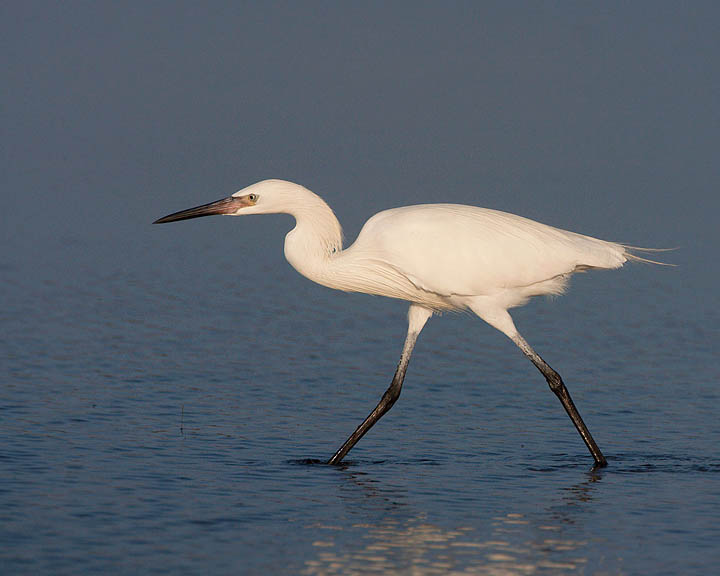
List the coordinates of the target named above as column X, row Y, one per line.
column 266, row 197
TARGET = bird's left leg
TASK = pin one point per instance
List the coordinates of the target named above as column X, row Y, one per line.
column 417, row 317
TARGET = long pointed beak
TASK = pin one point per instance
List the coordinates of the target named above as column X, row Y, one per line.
column 225, row 206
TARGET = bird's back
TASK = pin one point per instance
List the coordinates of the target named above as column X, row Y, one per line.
column 457, row 250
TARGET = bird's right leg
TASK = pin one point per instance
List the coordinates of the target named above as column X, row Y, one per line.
column 417, row 317
column 560, row 390
column 500, row 319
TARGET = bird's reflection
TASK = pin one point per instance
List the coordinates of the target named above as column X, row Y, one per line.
column 402, row 540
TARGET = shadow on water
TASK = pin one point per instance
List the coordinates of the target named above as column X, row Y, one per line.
column 636, row 463
column 644, row 463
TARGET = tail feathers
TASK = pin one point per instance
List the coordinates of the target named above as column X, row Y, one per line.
column 630, row 254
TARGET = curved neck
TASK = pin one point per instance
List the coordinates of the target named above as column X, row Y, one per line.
column 316, row 238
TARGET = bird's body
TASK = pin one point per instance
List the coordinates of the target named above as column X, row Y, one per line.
column 437, row 257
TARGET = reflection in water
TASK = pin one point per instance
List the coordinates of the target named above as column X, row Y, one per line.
column 516, row 544
column 418, row 547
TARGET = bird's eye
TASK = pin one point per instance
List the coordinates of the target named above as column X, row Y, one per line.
column 252, row 197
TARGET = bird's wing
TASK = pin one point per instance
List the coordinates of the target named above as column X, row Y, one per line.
column 451, row 249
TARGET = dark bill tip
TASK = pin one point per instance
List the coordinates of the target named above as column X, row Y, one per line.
column 225, row 206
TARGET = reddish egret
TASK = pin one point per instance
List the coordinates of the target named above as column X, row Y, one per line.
column 438, row 257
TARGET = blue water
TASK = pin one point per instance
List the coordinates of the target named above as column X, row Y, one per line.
column 165, row 404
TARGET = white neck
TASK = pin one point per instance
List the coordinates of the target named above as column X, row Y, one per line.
column 314, row 249
column 315, row 240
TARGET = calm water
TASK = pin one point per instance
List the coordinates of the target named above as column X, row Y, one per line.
column 165, row 401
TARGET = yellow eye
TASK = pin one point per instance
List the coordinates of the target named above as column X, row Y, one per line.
column 252, row 197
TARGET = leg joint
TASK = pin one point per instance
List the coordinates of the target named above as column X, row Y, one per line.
column 392, row 393
column 554, row 380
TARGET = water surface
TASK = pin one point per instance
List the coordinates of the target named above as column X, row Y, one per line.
column 168, row 410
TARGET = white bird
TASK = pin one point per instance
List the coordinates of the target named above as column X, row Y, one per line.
column 436, row 256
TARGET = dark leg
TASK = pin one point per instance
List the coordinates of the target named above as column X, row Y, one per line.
column 558, row 387
column 417, row 317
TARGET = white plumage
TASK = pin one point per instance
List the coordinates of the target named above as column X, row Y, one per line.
column 456, row 251
column 436, row 256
